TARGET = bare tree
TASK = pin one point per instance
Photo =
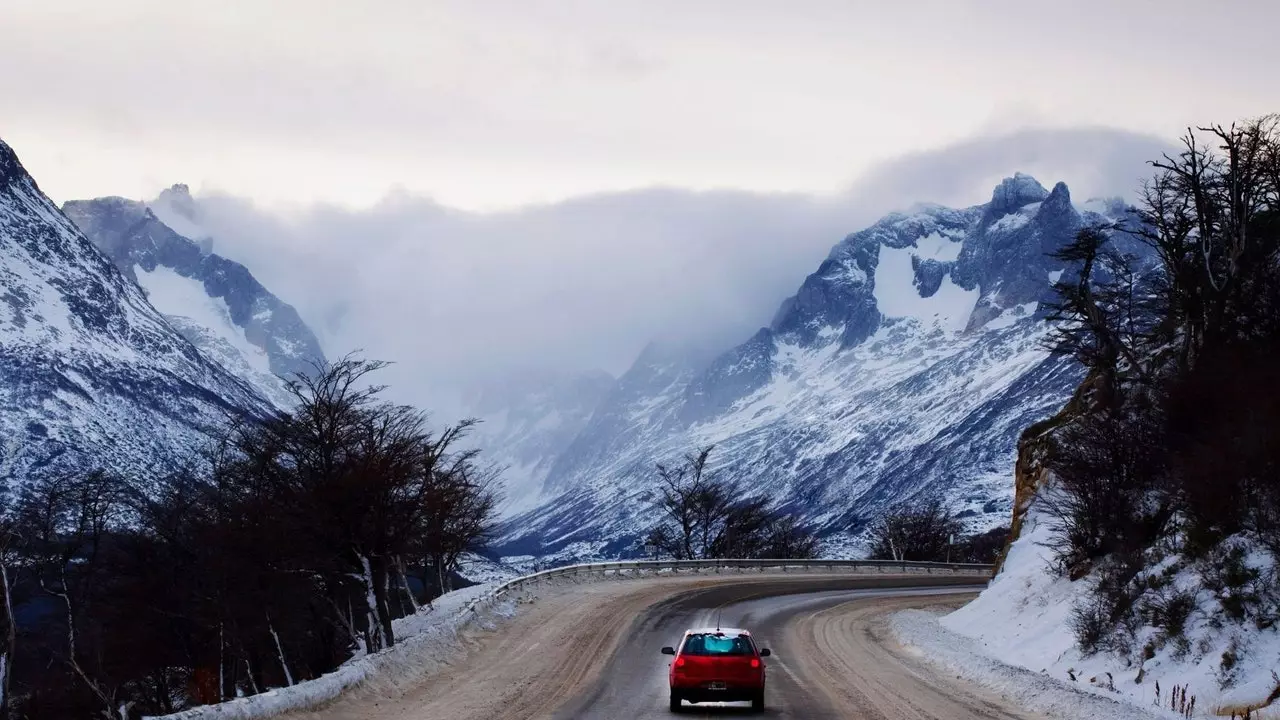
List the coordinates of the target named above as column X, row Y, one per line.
column 68, row 521
column 923, row 530
column 681, row 491
column 459, row 507
column 1101, row 316
column 706, row 516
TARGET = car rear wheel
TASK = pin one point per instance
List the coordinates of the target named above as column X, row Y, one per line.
column 675, row 702
column 757, row 702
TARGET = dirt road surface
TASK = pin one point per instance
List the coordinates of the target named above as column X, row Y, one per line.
column 592, row 652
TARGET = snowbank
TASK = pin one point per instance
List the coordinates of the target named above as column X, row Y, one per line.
column 423, row 638
column 1023, row 618
column 924, row 636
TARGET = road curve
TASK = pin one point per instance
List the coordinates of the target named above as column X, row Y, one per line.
column 593, row 652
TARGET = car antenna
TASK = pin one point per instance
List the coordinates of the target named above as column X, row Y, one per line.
column 718, row 619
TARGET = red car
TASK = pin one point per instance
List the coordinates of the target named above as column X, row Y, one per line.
column 717, row 665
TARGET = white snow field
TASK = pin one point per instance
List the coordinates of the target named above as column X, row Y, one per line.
column 206, row 322
column 896, row 296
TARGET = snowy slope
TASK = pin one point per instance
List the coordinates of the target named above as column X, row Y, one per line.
column 1024, row 618
column 527, row 420
column 907, row 364
column 215, row 303
column 91, row 375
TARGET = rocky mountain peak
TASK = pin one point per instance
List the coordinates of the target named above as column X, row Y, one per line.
column 1058, row 200
column 1015, row 192
column 906, row 364
column 86, row 362
column 9, row 165
column 178, row 197
column 216, row 303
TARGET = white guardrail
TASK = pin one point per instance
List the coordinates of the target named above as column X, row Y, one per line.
column 675, row 566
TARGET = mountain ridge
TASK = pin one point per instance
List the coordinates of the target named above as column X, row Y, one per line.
column 85, row 360
column 215, row 302
column 834, row 405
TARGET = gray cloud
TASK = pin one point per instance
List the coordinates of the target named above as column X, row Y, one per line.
column 455, row 298
column 501, row 103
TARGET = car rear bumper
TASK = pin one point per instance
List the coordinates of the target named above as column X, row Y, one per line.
column 699, row 694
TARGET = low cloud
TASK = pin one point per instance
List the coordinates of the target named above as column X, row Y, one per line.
column 456, row 299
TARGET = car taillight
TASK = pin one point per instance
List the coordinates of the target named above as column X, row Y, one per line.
column 680, row 662
column 755, row 662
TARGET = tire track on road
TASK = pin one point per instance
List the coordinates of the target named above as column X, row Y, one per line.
column 849, row 652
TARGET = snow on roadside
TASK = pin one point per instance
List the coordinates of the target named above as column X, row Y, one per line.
column 1023, row 619
column 422, row 639
column 924, row 636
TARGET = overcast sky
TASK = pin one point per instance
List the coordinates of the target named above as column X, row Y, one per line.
column 467, row 187
column 494, row 103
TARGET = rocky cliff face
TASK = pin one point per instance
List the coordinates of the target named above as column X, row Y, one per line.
column 909, row 363
column 91, row 375
column 214, row 302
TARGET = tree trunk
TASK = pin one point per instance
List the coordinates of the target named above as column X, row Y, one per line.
column 222, row 675
column 394, row 600
column 284, row 665
column 6, row 658
column 382, row 601
column 404, row 582
column 72, row 660
column 377, row 634
column 248, row 669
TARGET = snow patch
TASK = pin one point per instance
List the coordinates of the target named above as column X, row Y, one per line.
column 1009, row 316
column 896, row 295
column 937, row 246
column 174, row 294
column 1016, row 219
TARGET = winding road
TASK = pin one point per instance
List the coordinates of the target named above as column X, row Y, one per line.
column 593, row 652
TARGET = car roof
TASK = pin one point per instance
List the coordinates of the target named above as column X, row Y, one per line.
column 713, row 631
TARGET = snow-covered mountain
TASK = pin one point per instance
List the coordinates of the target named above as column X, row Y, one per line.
column 91, row 375
column 908, row 363
column 527, row 420
column 214, row 302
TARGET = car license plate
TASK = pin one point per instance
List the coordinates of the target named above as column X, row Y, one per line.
column 716, row 686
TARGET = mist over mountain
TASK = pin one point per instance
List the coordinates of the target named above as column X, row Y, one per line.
column 905, row 366
column 215, row 303
column 459, row 299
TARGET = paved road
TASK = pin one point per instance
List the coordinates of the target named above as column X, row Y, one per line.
column 593, row 653
column 633, row 683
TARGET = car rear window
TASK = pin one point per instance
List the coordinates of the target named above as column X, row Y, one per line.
column 713, row 644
